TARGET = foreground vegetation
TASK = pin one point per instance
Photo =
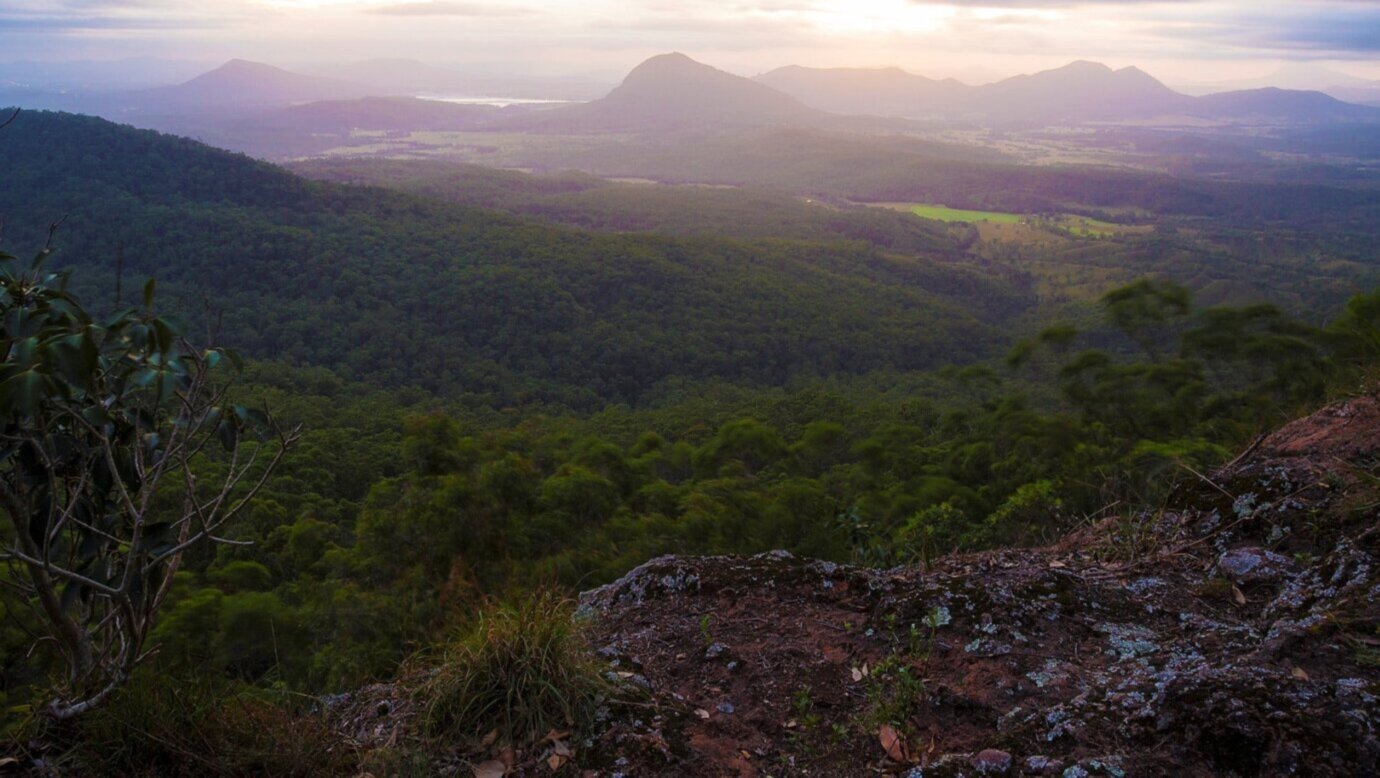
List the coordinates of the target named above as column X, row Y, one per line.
column 500, row 411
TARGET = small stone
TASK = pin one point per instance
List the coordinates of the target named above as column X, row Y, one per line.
column 725, row 707
column 715, row 651
column 992, row 762
column 1252, row 565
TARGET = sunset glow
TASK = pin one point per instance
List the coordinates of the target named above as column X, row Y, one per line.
column 1186, row 40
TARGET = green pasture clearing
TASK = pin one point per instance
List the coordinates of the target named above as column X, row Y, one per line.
column 945, row 214
column 1082, row 225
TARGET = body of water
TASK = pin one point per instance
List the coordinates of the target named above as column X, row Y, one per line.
column 499, row 102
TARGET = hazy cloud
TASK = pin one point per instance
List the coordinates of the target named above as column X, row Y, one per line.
column 444, row 8
column 1039, row 4
column 1345, row 28
column 935, row 37
column 33, row 17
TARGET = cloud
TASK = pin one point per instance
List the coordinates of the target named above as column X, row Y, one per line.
column 1348, row 28
column 31, row 17
column 1046, row 4
column 445, row 8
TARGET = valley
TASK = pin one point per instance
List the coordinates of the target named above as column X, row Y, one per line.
column 911, row 357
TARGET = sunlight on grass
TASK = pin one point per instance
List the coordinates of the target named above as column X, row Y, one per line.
column 944, row 214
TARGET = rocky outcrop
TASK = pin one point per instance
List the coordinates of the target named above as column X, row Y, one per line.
column 1232, row 633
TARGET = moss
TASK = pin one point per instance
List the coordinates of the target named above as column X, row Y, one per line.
column 1217, row 589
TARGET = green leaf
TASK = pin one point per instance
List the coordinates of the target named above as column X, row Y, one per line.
column 24, row 392
column 162, row 336
column 167, row 384
column 73, row 359
column 149, row 287
column 236, row 360
column 229, row 434
column 256, row 417
column 145, row 376
column 96, row 416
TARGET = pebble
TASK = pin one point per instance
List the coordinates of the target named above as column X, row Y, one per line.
column 992, row 762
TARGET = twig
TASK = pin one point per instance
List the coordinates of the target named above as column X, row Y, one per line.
column 1206, row 480
column 1249, row 450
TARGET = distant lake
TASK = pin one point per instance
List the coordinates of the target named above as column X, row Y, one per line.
column 498, row 102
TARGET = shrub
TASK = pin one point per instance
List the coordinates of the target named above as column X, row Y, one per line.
column 522, row 669
column 168, row 726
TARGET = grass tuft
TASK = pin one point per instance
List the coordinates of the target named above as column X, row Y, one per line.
column 520, row 669
column 159, row 725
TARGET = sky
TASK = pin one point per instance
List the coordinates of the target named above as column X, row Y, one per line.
column 1182, row 41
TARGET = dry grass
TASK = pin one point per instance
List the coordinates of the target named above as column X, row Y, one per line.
column 518, row 672
column 164, row 726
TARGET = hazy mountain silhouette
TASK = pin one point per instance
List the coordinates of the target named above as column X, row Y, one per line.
column 410, row 77
column 673, row 92
column 873, row 92
column 1303, row 76
column 1079, row 91
column 393, row 114
column 1280, row 104
column 240, row 85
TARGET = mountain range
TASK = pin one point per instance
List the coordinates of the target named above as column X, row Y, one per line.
column 1300, row 76
column 1080, row 91
column 410, row 77
column 240, row 85
column 672, row 92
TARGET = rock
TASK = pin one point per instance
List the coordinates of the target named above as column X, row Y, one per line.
column 1041, row 765
column 1253, row 565
column 992, row 762
column 1044, row 652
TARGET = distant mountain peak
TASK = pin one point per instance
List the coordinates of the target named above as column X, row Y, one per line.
column 673, row 56
column 1085, row 66
column 670, row 65
column 243, row 70
column 674, row 91
column 239, row 84
column 246, row 66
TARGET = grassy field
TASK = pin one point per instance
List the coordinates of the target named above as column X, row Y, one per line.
column 1079, row 226
column 943, row 214
column 1083, row 226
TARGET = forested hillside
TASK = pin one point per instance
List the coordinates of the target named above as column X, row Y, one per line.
column 401, row 291
column 598, row 204
column 891, row 169
column 513, row 384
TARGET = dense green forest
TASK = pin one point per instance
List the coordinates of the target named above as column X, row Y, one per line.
column 1220, row 258
column 594, row 203
column 508, row 383
column 401, row 290
column 881, row 169
column 397, row 514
